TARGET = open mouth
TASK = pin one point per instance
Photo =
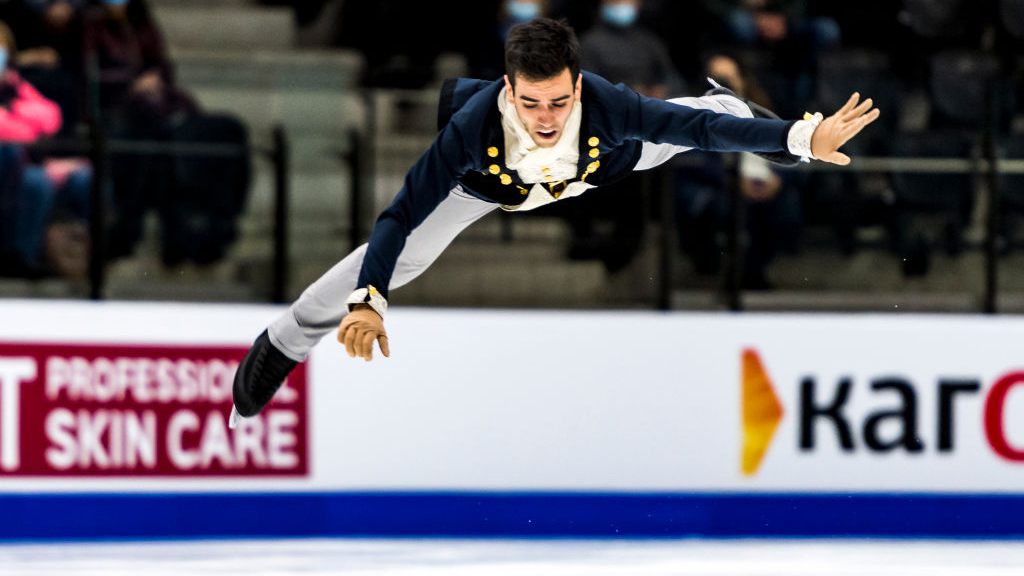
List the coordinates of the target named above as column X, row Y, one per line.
column 547, row 134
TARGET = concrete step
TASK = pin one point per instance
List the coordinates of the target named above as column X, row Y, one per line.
column 500, row 284
column 144, row 277
column 311, row 193
column 226, row 26
column 401, row 150
column 310, row 92
column 406, row 112
column 43, row 288
column 520, row 227
column 471, row 252
column 479, row 267
column 193, row 290
column 327, row 234
column 320, row 193
column 291, row 69
column 311, row 152
column 313, row 112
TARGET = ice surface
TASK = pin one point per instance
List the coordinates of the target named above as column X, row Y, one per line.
column 358, row 557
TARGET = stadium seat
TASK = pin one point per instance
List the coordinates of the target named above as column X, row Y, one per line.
column 936, row 18
column 837, row 200
column 932, row 207
column 843, row 72
column 959, row 84
column 1011, row 16
column 1011, row 192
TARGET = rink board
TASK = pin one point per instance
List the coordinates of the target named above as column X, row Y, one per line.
column 514, row 423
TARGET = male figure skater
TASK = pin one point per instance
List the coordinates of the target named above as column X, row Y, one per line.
column 543, row 133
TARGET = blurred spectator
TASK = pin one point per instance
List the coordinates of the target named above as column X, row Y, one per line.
column 401, row 40
column 870, row 24
column 705, row 183
column 608, row 223
column 49, row 38
column 786, row 36
column 581, row 14
column 621, row 50
column 197, row 198
column 686, row 29
column 43, row 205
column 772, row 21
column 487, row 59
column 136, row 75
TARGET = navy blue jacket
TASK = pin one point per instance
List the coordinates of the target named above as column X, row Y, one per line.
column 468, row 150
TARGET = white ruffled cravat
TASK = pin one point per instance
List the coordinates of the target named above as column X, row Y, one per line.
column 524, row 156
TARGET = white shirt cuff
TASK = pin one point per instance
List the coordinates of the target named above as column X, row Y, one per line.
column 371, row 296
column 799, row 140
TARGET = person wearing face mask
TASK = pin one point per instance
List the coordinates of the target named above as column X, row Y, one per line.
column 134, row 69
column 197, row 199
column 33, row 191
column 785, row 33
column 486, row 56
column 520, row 12
column 400, row 41
column 620, row 50
column 544, row 133
column 49, row 37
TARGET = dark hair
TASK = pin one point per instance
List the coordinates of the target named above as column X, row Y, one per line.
column 541, row 49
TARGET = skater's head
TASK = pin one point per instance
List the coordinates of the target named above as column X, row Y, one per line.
column 542, row 74
column 541, row 49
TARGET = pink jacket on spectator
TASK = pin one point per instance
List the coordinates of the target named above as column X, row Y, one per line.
column 29, row 115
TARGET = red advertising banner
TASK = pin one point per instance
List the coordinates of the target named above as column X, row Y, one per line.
column 115, row 410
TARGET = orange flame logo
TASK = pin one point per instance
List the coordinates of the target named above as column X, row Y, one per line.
column 762, row 412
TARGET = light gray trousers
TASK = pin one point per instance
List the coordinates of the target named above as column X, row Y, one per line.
column 321, row 306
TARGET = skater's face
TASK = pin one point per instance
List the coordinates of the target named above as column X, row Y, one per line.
column 544, row 105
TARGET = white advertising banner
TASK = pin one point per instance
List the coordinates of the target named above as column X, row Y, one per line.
column 134, row 397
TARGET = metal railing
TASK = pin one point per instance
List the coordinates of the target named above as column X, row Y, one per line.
column 98, row 147
column 986, row 167
column 983, row 169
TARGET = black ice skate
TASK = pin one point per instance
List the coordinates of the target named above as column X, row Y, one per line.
column 260, row 374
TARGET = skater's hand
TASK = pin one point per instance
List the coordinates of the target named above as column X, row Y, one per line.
column 838, row 128
column 358, row 331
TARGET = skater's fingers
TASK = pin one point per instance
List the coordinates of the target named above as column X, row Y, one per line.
column 854, row 127
column 343, row 331
column 849, row 104
column 858, row 110
column 382, row 340
column 366, row 345
column 350, row 341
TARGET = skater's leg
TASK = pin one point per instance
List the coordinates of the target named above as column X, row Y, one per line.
column 321, row 306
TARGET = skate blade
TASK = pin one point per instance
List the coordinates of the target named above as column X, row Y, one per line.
column 235, row 419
